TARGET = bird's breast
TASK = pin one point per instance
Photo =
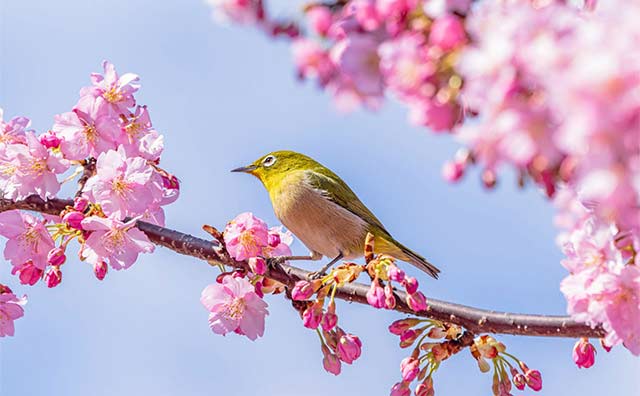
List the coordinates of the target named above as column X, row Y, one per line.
column 321, row 224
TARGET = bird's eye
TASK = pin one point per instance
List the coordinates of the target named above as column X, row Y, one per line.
column 269, row 160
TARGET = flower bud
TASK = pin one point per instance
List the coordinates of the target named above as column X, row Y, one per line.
column 80, row 204
column 53, row 277
column 409, row 367
column 425, row 388
column 389, row 298
column 584, row 354
column 330, row 362
column 258, row 265
column 400, row 389
column 330, row 319
column 489, row 178
column 417, row 301
column 410, row 284
column 447, row 32
column 400, row 326
column 452, row 171
column 312, row 316
column 395, row 274
column 56, row 256
column 375, row 295
column 533, row 379
column 349, row 348
column 302, row 290
column 273, row 239
column 519, row 381
column 50, row 140
column 100, row 269
column 74, row 220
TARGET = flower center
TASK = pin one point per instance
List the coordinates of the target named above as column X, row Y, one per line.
column 8, row 169
column 114, row 240
column 112, row 95
column 247, row 240
column 120, row 187
column 91, row 133
column 31, row 238
column 235, row 309
column 38, row 167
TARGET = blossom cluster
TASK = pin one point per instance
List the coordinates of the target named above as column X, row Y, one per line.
column 109, row 140
column 235, row 302
column 548, row 88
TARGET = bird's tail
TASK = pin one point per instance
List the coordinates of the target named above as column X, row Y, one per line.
column 401, row 252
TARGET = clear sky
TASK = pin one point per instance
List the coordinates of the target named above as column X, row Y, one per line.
column 223, row 97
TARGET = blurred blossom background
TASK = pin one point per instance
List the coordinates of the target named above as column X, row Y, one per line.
column 223, row 96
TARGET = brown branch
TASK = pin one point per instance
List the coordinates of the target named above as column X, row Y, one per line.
column 473, row 319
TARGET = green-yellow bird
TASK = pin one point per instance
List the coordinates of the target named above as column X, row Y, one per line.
column 323, row 212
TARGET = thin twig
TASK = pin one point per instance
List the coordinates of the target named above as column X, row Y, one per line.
column 473, row 319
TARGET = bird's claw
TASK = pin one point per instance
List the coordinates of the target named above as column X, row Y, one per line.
column 315, row 275
column 273, row 262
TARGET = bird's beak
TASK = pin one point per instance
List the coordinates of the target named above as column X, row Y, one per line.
column 245, row 169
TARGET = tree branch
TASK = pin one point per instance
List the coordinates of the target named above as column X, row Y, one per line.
column 474, row 320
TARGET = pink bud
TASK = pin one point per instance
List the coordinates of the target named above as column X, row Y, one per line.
column 74, row 220
column 395, row 274
column 410, row 284
column 519, row 381
column 410, row 367
column 425, row 388
column 534, row 379
column 56, row 256
column 389, row 298
column 605, row 346
column 100, row 269
column 375, row 295
column 28, row 273
column 273, row 239
column 330, row 319
column 80, row 204
column 447, row 32
column 312, row 316
column 319, row 18
column 349, row 348
column 330, row 361
column 258, row 289
column 302, row 290
column 417, row 301
column 452, row 171
column 258, row 265
column 489, row 178
column 400, row 389
column 53, row 277
column 366, row 14
column 584, row 354
column 50, row 140
column 170, row 182
column 400, row 326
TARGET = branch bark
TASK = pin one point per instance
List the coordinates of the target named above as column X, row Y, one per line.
column 475, row 320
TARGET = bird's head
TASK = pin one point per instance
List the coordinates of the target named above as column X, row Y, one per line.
column 272, row 168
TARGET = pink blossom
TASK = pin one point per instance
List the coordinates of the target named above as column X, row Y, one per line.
column 235, row 307
column 13, row 132
column 312, row 61
column 435, row 115
column 357, row 58
column 319, row 18
column 366, row 14
column 74, row 219
column 116, row 90
column 411, row 284
column 238, row 11
column 246, row 236
column 375, row 295
column 258, row 265
column 28, row 239
column 349, row 348
column 87, row 131
column 49, row 140
column 330, row 361
column 447, row 32
column 10, row 310
column 406, row 65
column 115, row 241
column 29, row 168
column 395, row 273
column 123, row 186
column 138, row 136
column 28, row 273
column 409, row 367
column 584, row 353
column 438, row 8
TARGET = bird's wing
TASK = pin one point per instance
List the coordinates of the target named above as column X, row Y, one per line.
column 342, row 195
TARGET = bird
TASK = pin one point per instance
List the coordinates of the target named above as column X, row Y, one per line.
column 320, row 209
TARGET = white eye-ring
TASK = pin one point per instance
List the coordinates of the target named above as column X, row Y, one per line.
column 269, row 160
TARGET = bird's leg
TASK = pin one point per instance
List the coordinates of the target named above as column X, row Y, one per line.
column 273, row 261
column 322, row 271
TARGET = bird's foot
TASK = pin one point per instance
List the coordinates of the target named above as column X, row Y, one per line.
column 274, row 262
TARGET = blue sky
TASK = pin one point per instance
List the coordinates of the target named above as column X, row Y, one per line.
column 223, row 97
